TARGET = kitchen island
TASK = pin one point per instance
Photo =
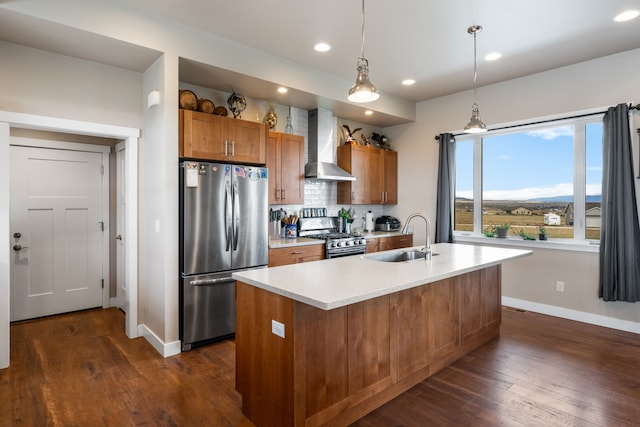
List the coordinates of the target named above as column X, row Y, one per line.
column 325, row 342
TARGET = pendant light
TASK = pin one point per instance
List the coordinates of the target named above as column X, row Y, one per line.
column 363, row 90
column 475, row 125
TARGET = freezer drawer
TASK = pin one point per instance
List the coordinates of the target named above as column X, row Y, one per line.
column 209, row 308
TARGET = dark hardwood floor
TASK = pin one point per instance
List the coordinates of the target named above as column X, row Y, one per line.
column 80, row 369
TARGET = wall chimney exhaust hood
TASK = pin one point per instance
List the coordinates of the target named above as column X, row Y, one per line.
column 321, row 151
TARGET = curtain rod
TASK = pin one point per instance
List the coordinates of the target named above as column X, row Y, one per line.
column 631, row 107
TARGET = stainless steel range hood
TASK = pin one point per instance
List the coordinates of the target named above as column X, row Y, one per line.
column 322, row 134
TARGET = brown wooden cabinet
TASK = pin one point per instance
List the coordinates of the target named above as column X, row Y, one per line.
column 387, row 243
column 333, row 366
column 354, row 159
column 376, row 173
column 285, row 160
column 295, row 254
column 396, row 242
column 389, row 177
column 210, row 137
column 373, row 245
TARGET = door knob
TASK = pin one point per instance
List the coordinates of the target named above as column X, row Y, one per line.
column 18, row 248
column 119, row 237
column 17, row 235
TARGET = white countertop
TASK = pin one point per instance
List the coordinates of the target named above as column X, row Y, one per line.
column 285, row 243
column 279, row 242
column 333, row 283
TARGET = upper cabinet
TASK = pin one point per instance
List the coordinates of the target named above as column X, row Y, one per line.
column 376, row 173
column 389, row 177
column 285, row 161
column 210, row 137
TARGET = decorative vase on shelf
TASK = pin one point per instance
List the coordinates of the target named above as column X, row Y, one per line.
column 271, row 119
column 237, row 104
column 288, row 128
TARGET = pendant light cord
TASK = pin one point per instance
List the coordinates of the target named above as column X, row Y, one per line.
column 475, row 67
column 362, row 46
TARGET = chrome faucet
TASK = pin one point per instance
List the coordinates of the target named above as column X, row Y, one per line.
column 405, row 230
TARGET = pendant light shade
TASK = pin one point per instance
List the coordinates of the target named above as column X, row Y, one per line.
column 363, row 90
column 475, row 125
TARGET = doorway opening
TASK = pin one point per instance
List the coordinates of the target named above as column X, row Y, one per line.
column 63, row 134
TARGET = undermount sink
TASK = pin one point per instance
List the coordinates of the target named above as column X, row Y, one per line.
column 398, row 256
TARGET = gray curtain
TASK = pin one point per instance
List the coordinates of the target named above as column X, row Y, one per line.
column 619, row 233
column 446, row 181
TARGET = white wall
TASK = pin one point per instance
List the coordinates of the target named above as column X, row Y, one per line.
column 599, row 83
column 4, row 245
column 43, row 83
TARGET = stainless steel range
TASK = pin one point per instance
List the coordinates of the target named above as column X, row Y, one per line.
column 336, row 244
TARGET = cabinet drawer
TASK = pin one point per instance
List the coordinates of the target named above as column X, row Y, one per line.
column 295, row 254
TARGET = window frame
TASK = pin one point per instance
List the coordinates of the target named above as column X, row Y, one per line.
column 579, row 241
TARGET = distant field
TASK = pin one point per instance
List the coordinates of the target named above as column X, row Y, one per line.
column 528, row 223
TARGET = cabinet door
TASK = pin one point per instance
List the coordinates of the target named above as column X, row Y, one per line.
column 353, row 159
column 390, row 177
column 292, row 168
column 247, row 141
column 203, row 135
column 372, row 245
column 273, row 164
column 396, row 242
column 373, row 176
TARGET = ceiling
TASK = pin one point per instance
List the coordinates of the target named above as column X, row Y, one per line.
column 423, row 40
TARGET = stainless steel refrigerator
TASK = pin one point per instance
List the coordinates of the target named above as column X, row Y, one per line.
column 223, row 229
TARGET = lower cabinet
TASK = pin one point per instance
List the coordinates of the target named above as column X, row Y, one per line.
column 295, row 254
column 396, row 242
column 387, row 243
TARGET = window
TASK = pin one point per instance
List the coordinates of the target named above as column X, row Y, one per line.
column 530, row 176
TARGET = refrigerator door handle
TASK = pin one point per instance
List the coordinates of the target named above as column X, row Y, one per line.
column 236, row 215
column 228, row 212
column 205, row 282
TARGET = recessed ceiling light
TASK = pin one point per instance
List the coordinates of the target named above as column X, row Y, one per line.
column 322, row 47
column 493, row 56
column 368, row 112
column 408, row 82
column 282, row 89
column 627, row 15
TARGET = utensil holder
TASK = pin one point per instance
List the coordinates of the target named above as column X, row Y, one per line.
column 291, row 231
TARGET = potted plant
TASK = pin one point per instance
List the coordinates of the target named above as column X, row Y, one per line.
column 502, row 230
column 542, row 232
column 526, row 236
column 490, row 231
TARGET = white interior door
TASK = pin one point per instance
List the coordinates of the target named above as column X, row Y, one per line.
column 121, row 215
column 57, row 228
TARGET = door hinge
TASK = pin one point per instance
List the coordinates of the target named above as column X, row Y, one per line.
column 102, row 280
column 101, row 225
column 101, row 169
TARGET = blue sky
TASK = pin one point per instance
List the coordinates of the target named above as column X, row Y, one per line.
column 530, row 165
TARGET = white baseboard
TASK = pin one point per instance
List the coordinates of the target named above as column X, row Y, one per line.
column 166, row 350
column 566, row 313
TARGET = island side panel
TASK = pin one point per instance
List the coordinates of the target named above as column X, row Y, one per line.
column 428, row 327
column 264, row 361
column 347, row 359
column 481, row 306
